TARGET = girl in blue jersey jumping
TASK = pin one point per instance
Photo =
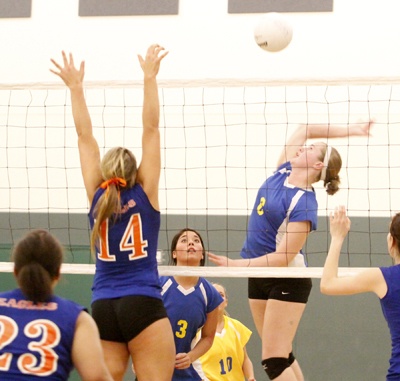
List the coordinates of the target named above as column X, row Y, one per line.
column 125, row 221
column 191, row 304
column 284, row 214
column 43, row 336
column 384, row 281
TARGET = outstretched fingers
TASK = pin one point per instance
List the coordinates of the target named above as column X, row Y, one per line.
column 151, row 63
column 67, row 72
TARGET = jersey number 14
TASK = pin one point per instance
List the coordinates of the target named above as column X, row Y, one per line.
column 132, row 241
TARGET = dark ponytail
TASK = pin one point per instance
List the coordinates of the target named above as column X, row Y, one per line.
column 37, row 261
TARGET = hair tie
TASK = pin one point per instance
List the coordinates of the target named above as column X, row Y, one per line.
column 117, row 181
column 326, row 162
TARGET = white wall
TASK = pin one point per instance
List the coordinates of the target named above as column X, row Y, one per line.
column 217, row 168
column 360, row 38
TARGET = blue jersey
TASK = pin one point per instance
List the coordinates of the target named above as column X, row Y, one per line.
column 126, row 257
column 36, row 339
column 277, row 204
column 187, row 311
column 390, row 304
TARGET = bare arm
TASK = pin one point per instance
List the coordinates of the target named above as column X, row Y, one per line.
column 320, row 131
column 150, row 166
column 248, row 369
column 370, row 280
column 87, row 353
column 290, row 245
column 183, row 360
column 88, row 148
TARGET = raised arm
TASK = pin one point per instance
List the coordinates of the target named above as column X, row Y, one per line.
column 88, row 148
column 370, row 280
column 150, row 166
column 305, row 132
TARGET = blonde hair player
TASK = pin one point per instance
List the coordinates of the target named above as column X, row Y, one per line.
column 125, row 221
column 228, row 359
column 284, row 214
column 383, row 281
column 43, row 336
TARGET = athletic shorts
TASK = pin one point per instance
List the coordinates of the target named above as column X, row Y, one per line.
column 122, row 319
column 295, row 290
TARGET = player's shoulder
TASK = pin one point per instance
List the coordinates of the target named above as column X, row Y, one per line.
column 235, row 322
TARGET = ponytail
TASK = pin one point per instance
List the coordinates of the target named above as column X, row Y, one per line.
column 37, row 261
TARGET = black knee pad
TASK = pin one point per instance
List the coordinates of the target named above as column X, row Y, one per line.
column 274, row 366
column 291, row 358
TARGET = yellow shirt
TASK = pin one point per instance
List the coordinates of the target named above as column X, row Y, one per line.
column 224, row 360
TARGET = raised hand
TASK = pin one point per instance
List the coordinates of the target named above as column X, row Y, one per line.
column 339, row 223
column 361, row 128
column 71, row 76
column 151, row 63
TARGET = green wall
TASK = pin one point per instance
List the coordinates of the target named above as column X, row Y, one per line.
column 340, row 338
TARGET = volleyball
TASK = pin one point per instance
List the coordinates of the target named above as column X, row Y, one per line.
column 273, row 32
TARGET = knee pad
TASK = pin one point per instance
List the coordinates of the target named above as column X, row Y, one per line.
column 291, row 358
column 274, row 366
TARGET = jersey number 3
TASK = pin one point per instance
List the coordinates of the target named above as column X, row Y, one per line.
column 132, row 241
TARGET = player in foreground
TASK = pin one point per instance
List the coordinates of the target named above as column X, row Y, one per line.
column 125, row 221
column 43, row 336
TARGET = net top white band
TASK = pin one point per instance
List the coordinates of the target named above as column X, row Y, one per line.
column 212, row 271
column 216, row 82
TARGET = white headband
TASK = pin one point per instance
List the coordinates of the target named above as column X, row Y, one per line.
column 326, row 161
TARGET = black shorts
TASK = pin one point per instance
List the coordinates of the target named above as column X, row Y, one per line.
column 295, row 290
column 122, row 319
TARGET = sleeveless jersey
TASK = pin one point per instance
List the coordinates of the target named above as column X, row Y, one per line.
column 36, row 339
column 390, row 304
column 277, row 204
column 126, row 257
column 224, row 360
column 187, row 311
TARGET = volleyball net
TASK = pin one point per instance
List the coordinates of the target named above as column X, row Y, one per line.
column 220, row 140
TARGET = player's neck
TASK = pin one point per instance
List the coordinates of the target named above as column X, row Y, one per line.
column 220, row 324
column 300, row 180
column 186, row 281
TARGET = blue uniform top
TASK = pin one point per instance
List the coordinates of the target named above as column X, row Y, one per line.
column 187, row 311
column 126, row 258
column 277, row 204
column 390, row 304
column 36, row 339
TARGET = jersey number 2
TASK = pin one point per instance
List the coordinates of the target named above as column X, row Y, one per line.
column 28, row 363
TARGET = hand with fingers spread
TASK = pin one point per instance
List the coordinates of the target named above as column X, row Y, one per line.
column 151, row 63
column 111, row 183
column 71, row 76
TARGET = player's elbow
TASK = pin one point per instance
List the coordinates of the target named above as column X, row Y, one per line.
column 326, row 287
